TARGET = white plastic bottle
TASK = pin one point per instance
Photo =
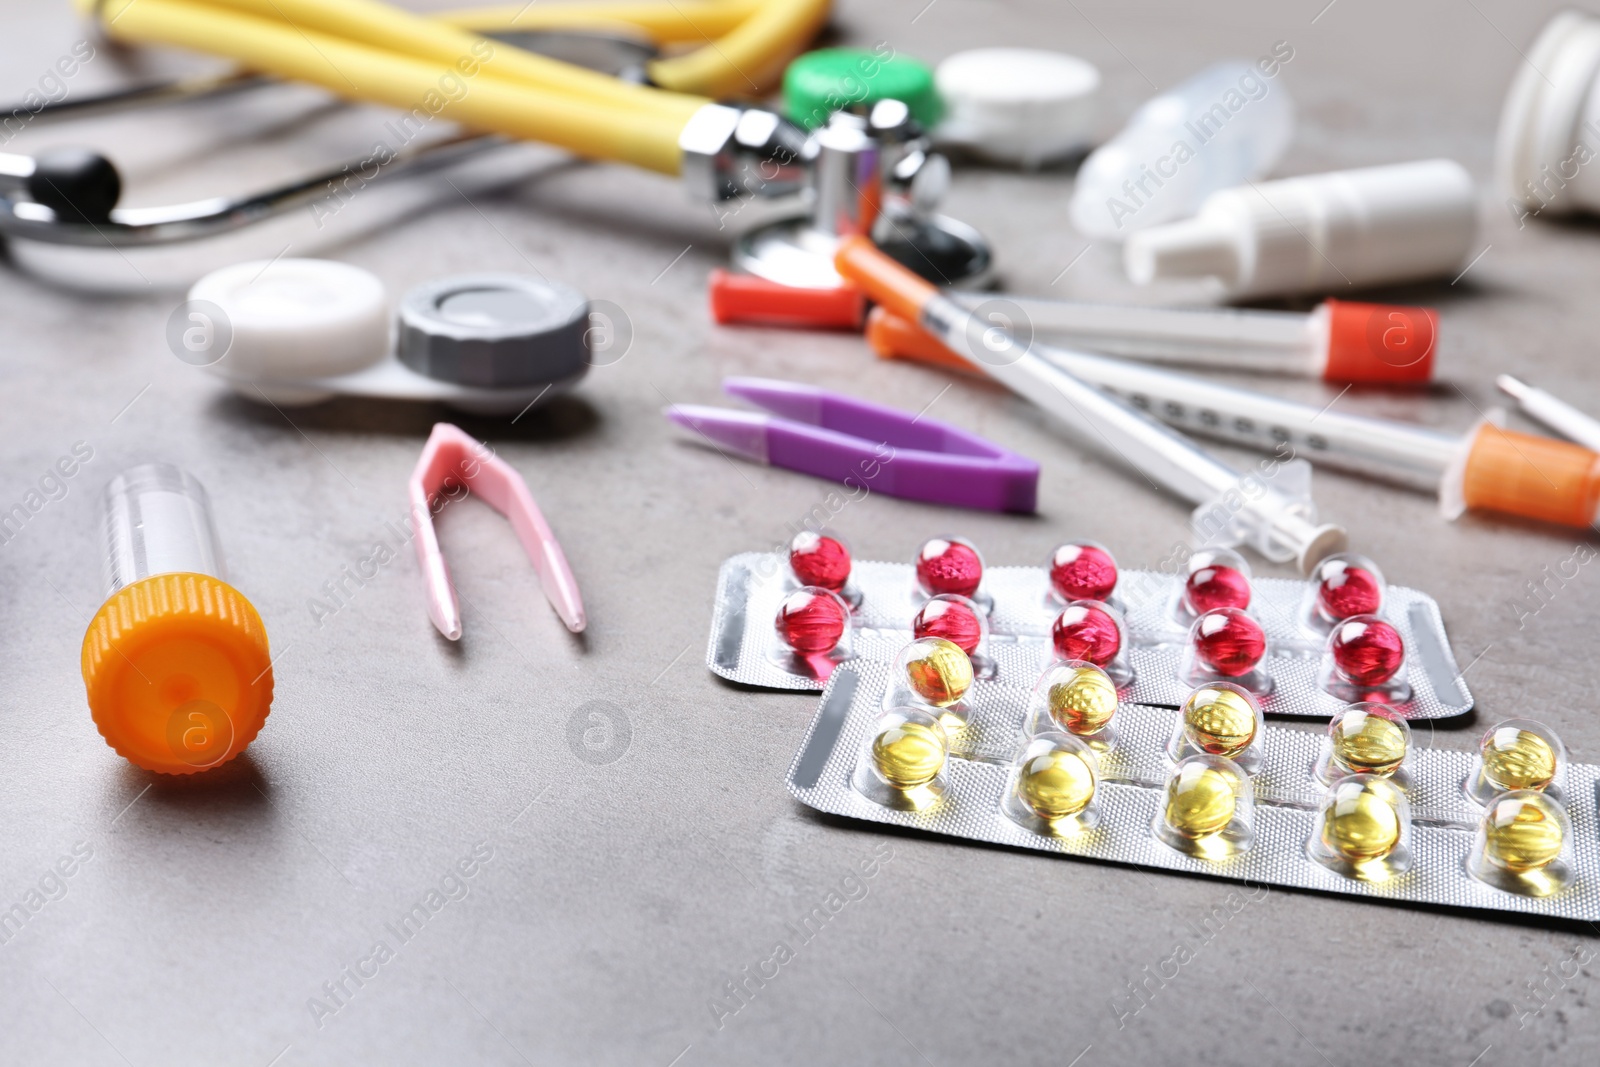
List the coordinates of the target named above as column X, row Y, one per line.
column 1547, row 155
column 1228, row 124
column 1322, row 233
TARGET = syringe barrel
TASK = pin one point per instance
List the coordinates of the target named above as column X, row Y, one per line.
column 157, row 520
column 1263, row 342
column 1101, row 420
column 1392, row 451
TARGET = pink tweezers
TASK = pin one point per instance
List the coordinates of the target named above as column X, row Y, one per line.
column 452, row 453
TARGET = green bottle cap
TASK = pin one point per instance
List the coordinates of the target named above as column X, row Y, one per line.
column 832, row 79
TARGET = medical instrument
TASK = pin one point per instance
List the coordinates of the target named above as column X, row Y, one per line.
column 1145, row 639
column 1281, row 525
column 1341, row 231
column 300, row 331
column 1018, row 106
column 869, row 447
column 1155, row 797
column 1338, row 341
column 1552, row 411
column 452, row 458
column 861, row 180
column 175, row 662
column 1488, row 468
column 1228, row 124
column 1550, row 124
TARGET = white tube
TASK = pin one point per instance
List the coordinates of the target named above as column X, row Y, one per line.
column 1552, row 411
column 1410, row 455
column 1336, row 232
column 1272, row 342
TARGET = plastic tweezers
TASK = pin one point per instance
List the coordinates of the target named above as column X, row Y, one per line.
column 451, row 453
column 862, row 444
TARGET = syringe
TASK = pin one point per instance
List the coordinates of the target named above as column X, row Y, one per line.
column 1488, row 468
column 1552, row 411
column 1337, row 341
column 1277, row 523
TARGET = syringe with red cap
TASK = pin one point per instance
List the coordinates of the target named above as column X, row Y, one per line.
column 1337, row 341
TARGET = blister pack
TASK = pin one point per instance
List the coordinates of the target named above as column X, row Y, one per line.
column 1206, row 788
column 1302, row 648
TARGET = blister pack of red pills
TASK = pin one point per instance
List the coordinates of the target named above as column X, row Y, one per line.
column 1300, row 647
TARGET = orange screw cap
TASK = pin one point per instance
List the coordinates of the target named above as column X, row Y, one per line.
column 178, row 672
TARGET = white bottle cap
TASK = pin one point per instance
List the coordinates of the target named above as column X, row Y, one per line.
column 1549, row 111
column 1201, row 247
column 1338, row 232
column 294, row 319
column 1017, row 105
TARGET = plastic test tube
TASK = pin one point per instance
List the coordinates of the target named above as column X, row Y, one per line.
column 1278, row 525
column 176, row 663
column 1487, row 468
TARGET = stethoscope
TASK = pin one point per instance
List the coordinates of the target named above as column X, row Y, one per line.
column 866, row 170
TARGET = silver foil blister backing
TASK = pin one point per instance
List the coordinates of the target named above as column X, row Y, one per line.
column 1130, row 794
column 751, row 585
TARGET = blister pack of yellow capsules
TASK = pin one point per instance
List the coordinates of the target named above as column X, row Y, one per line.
column 1063, row 766
column 1301, row 647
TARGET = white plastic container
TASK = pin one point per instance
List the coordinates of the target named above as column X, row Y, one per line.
column 1337, row 232
column 1228, row 124
column 1547, row 155
column 1020, row 106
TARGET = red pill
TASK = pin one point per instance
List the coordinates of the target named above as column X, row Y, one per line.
column 1210, row 588
column 812, row 620
column 1081, row 571
column 1088, row 633
column 1346, row 590
column 949, row 566
column 819, row 560
column 1367, row 650
column 954, row 618
column 1228, row 642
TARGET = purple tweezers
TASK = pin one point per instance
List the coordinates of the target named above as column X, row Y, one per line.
column 880, row 448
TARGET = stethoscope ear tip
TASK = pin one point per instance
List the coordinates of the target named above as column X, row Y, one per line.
column 78, row 184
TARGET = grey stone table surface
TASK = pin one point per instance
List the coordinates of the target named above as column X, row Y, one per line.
column 626, row 869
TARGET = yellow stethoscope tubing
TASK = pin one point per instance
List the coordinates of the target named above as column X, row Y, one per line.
column 315, row 40
column 673, row 23
column 582, row 125
column 373, row 24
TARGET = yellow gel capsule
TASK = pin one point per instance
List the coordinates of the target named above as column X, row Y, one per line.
column 1361, row 823
column 1368, row 744
column 1200, row 800
column 1084, row 702
column 1056, row 784
column 1518, row 759
column 910, row 754
column 1522, row 833
column 1219, row 721
column 938, row 671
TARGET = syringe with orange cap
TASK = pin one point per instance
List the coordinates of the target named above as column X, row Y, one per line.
column 1489, row 468
column 176, row 663
column 1280, row 524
